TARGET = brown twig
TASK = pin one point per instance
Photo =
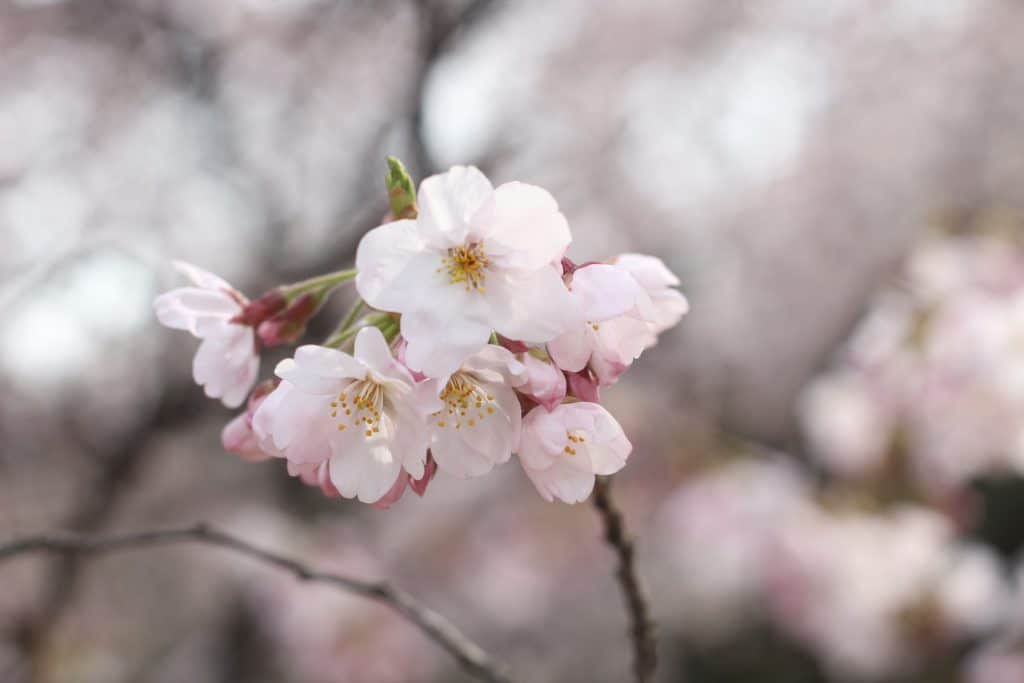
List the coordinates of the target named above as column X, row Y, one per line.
column 645, row 656
column 468, row 654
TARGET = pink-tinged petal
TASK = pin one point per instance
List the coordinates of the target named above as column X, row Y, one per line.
column 193, row 310
column 543, row 436
column 200, row 277
column 396, row 270
column 237, row 437
column 544, row 382
column 669, row 308
column 395, row 493
column 522, row 227
column 533, row 306
column 225, row 365
column 447, row 203
column 585, row 386
column 621, row 340
column 438, row 346
column 366, row 472
column 650, row 271
column 561, row 481
column 419, row 486
column 571, row 350
column 604, row 291
column 606, row 446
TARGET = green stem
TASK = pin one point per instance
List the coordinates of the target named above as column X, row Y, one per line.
column 382, row 321
column 322, row 283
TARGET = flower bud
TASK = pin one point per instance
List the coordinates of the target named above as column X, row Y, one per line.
column 288, row 326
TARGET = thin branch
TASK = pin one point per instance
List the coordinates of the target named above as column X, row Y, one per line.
column 468, row 654
column 645, row 656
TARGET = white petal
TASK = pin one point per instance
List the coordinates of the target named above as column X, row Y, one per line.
column 193, row 309
column 497, row 364
column 561, row 482
column 438, row 346
column 522, row 227
column 366, row 472
column 605, row 292
column 533, row 307
column 396, row 270
column 448, row 201
column 201, row 278
column 372, row 351
column 650, row 271
column 320, row 370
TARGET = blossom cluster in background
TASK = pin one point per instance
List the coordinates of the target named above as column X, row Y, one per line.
column 474, row 338
column 867, row 551
column 930, row 389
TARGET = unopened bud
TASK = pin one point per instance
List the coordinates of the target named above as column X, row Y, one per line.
column 259, row 310
column 288, row 326
column 401, row 190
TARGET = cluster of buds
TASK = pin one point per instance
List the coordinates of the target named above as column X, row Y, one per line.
column 473, row 338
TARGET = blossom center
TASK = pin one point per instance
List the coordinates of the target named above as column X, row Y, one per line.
column 360, row 405
column 465, row 403
column 576, row 437
column 466, row 264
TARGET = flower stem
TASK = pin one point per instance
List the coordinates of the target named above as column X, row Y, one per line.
column 322, row 284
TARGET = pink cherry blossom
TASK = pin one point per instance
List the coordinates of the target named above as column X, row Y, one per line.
column 563, row 449
column 226, row 363
column 478, row 425
column 545, row 383
column 616, row 310
column 668, row 303
column 360, row 413
column 475, row 260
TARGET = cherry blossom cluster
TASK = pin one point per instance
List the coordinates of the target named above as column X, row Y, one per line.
column 872, row 593
column 930, row 389
column 473, row 338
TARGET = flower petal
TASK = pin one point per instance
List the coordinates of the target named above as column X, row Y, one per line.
column 367, row 471
column 397, row 272
column 522, row 227
column 438, row 346
column 448, row 201
column 533, row 307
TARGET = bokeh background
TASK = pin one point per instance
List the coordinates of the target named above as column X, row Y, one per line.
column 823, row 482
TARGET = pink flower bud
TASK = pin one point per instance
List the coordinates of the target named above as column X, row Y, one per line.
column 584, row 385
column 545, row 383
column 254, row 313
column 287, row 326
column 238, row 437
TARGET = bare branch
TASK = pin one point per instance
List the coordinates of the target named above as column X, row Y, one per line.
column 470, row 656
column 645, row 655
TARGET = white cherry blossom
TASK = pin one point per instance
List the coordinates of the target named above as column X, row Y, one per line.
column 226, row 363
column 362, row 414
column 478, row 425
column 476, row 260
column 563, row 449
